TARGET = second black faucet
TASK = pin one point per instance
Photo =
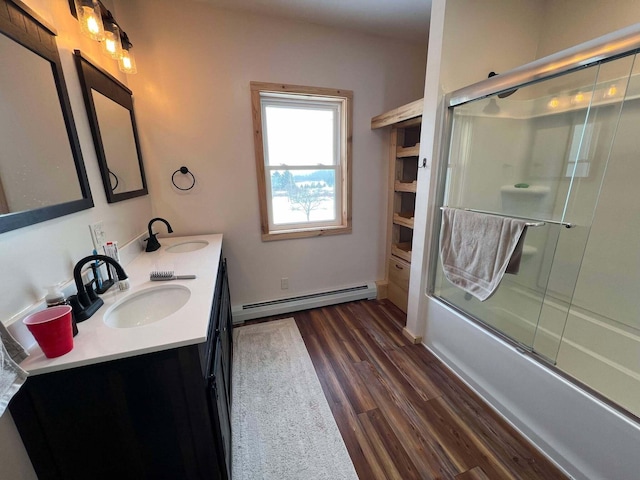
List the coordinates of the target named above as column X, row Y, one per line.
column 152, row 242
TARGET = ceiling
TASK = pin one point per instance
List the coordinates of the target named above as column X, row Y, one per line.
column 400, row 19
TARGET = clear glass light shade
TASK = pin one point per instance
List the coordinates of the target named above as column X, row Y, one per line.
column 90, row 19
column 112, row 45
column 127, row 62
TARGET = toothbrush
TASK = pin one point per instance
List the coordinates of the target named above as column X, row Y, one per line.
column 98, row 276
column 156, row 276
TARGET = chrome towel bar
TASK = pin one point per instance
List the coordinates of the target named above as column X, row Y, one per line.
column 534, row 223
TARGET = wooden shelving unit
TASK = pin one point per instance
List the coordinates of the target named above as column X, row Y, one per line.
column 408, row 152
column 403, row 218
column 408, row 187
column 402, row 250
column 405, row 123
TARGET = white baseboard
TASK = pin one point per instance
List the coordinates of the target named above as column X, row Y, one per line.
column 242, row 313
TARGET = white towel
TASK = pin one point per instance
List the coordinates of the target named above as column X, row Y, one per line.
column 11, row 375
column 476, row 249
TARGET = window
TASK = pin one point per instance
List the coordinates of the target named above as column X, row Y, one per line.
column 303, row 159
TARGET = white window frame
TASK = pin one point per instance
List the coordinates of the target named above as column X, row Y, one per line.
column 293, row 96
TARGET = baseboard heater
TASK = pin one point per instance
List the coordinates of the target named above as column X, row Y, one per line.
column 249, row 311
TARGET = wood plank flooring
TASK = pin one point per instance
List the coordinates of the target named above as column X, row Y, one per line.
column 402, row 414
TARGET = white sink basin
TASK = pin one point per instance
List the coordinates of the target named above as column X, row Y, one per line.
column 147, row 306
column 191, row 246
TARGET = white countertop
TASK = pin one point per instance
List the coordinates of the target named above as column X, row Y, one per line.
column 96, row 342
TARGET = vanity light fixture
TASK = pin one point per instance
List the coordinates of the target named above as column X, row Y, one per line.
column 98, row 23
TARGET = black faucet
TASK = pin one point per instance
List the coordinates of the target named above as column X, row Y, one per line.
column 152, row 242
column 86, row 302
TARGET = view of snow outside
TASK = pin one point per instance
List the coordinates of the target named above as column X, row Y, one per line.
column 301, row 136
column 300, row 196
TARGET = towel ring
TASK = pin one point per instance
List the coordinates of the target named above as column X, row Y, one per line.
column 111, row 174
column 184, row 171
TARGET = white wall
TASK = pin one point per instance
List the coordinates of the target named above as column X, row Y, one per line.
column 570, row 22
column 43, row 254
column 193, row 107
column 587, row 438
column 492, row 35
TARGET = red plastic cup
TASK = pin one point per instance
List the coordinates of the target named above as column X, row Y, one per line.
column 52, row 330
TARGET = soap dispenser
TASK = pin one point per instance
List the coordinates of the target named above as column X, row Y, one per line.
column 54, row 297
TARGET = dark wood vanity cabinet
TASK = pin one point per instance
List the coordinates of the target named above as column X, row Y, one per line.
column 163, row 415
column 219, row 364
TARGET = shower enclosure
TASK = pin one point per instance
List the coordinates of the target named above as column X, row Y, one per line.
column 564, row 151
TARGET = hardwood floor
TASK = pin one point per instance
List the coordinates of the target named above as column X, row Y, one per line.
column 402, row 414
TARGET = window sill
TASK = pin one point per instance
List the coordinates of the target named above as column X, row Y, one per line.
column 305, row 233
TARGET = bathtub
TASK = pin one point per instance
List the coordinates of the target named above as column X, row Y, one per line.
column 599, row 352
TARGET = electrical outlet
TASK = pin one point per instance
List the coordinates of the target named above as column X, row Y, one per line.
column 98, row 236
column 284, row 283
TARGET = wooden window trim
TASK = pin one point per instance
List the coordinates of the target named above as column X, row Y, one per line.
column 346, row 159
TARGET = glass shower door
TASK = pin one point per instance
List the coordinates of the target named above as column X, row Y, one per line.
column 589, row 152
column 535, row 154
column 600, row 342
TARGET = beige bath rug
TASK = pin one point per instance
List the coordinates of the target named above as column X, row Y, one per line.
column 282, row 427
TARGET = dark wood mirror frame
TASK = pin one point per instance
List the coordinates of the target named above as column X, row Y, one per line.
column 95, row 78
column 22, row 25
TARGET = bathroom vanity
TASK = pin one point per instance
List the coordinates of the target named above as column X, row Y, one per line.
column 146, row 400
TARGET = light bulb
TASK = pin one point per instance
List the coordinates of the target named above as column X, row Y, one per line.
column 611, row 91
column 90, row 19
column 554, row 103
column 127, row 62
column 92, row 24
column 109, row 45
column 112, row 45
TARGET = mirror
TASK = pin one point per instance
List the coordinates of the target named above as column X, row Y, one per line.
column 113, row 126
column 42, row 174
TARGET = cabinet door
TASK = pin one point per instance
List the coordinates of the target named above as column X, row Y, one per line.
column 398, row 289
column 225, row 326
column 144, row 417
column 214, row 325
column 221, row 413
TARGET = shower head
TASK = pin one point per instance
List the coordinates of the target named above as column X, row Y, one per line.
column 492, row 107
column 503, row 94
